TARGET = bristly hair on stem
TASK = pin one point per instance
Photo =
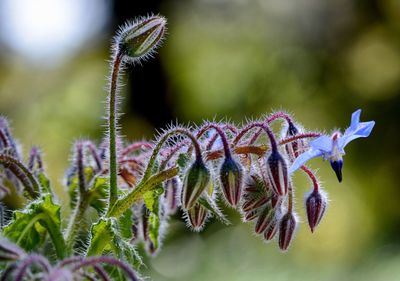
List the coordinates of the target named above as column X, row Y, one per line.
column 135, row 41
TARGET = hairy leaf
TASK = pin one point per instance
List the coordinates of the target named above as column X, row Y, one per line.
column 28, row 227
column 106, row 237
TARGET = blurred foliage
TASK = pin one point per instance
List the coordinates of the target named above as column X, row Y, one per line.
column 320, row 60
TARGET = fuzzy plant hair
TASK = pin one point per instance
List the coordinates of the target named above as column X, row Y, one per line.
column 123, row 193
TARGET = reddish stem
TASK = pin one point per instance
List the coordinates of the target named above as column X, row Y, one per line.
column 312, row 176
column 261, row 125
column 299, row 136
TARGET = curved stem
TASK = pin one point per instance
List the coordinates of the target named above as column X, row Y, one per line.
column 22, row 172
column 214, row 138
column 145, row 185
column 34, row 156
column 312, row 176
column 162, row 140
column 300, row 136
column 221, row 134
column 261, row 125
column 135, row 146
column 92, row 261
column 269, row 120
column 112, row 128
column 93, row 152
column 26, row 263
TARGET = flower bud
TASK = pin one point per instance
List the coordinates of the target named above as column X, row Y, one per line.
column 287, row 227
column 254, row 203
column 197, row 217
column 143, row 223
column 172, row 187
column 139, row 39
column 272, row 229
column 277, row 172
column 196, row 181
column 231, row 176
column 294, row 148
column 265, row 219
column 315, row 205
column 251, row 215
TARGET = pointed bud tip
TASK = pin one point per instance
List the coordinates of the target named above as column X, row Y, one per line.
column 277, row 172
column 139, row 39
column 287, row 228
column 196, row 181
column 231, row 177
column 316, row 203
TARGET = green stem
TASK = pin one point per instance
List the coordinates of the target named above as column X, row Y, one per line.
column 160, row 143
column 112, row 123
column 75, row 223
column 56, row 237
column 32, row 185
column 145, row 185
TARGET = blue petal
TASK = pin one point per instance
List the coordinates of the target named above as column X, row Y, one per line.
column 303, row 158
column 323, row 143
column 362, row 131
column 355, row 120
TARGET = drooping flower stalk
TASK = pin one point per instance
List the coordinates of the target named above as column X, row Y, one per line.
column 134, row 42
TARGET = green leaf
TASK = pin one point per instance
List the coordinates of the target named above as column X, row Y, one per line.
column 210, row 205
column 125, row 224
column 44, row 182
column 98, row 194
column 105, row 237
column 29, row 227
column 151, row 200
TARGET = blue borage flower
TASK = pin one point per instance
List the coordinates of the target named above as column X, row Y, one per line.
column 332, row 147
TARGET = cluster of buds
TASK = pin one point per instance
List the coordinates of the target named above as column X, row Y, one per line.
column 223, row 161
column 18, row 179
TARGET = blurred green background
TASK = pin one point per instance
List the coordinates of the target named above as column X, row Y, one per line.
column 320, row 60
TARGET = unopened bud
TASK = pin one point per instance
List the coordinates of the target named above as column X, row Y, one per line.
column 272, row 229
column 172, row 188
column 197, row 217
column 265, row 219
column 254, row 203
column 315, row 205
column 249, row 216
column 294, row 148
column 231, row 176
column 277, row 172
column 139, row 39
column 196, row 181
column 287, row 227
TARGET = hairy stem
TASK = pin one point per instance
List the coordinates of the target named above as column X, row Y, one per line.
column 261, row 125
column 270, row 119
column 299, row 136
column 23, row 174
column 82, row 204
column 163, row 139
column 221, row 134
column 145, row 185
column 312, row 177
column 112, row 128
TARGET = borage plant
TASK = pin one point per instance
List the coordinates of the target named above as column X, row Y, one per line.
column 123, row 193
